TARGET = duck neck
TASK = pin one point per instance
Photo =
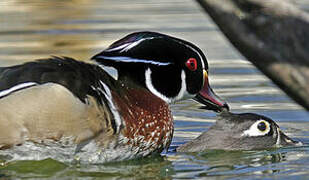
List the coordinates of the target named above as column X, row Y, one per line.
column 131, row 82
column 145, row 116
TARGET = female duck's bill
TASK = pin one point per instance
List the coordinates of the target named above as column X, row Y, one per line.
column 246, row 131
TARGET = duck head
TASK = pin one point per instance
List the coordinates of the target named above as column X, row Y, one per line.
column 247, row 131
column 170, row 68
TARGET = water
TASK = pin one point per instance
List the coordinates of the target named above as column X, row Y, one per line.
column 37, row 29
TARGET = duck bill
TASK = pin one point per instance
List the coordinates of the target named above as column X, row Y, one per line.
column 287, row 141
column 208, row 98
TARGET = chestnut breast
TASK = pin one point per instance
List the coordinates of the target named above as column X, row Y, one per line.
column 148, row 122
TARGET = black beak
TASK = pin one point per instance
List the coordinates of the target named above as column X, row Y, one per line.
column 287, row 141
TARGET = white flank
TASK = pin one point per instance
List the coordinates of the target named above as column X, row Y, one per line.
column 109, row 98
column 15, row 88
column 254, row 131
column 133, row 60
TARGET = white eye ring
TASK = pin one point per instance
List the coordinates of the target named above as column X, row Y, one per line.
column 255, row 131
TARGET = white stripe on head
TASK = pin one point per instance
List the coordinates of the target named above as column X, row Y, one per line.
column 127, row 46
column 113, row 108
column 16, row 88
column 117, row 48
column 134, row 44
column 133, row 60
column 181, row 94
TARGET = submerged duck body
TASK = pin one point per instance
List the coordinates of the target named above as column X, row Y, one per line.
column 62, row 102
column 247, row 131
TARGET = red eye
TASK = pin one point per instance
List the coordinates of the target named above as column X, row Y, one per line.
column 191, row 64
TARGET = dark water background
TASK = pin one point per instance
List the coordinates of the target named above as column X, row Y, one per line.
column 31, row 29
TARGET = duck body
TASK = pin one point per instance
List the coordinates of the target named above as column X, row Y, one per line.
column 247, row 131
column 63, row 105
column 59, row 106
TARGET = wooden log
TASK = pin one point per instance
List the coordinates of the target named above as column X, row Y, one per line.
column 273, row 35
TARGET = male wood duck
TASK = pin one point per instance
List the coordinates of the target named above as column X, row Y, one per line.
column 247, row 131
column 75, row 104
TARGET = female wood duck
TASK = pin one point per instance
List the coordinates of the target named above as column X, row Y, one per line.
column 69, row 103
column 246, row 131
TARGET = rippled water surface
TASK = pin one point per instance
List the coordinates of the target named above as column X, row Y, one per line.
column 31, row 29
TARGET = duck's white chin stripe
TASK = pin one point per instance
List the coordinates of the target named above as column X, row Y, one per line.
column 16, row 88
column 153, row 89
column 133, row 60
column 181, row 95
column 183, row 90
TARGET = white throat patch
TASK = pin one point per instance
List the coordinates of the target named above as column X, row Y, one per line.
column 181, row 94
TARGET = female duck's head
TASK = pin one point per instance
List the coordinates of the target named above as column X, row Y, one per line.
column 246, row 131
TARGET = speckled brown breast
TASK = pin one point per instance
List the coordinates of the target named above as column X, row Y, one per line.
column 148, row 122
